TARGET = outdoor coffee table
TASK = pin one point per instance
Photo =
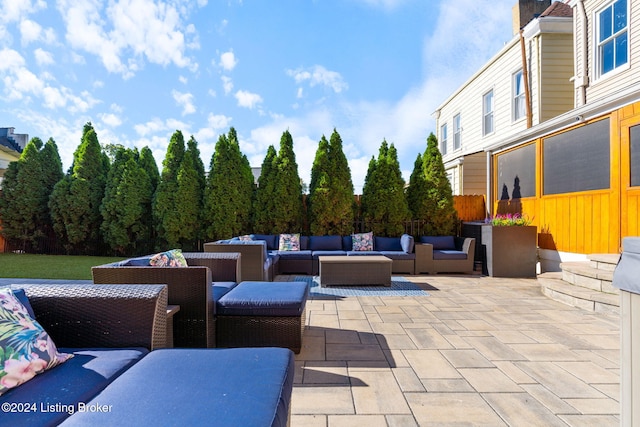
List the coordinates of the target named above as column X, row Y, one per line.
column 355, row 270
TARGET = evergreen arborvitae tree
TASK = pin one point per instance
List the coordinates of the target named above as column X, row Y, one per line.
column 148, row 163
column 190, row 194
column 319, row 201
column 76, row 199
column 126, row 204
column 439, row 208
column 287, row 196
column 417, row 191
column 331, row 200
column 11, row 227
column 341, row 187
column 384, row 206
column 166, row 203
column 24, row 207
column 229, row 190
column 263, row 205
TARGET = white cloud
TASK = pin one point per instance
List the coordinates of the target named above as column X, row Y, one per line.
column 183, row 80
column 110, row 119
column 185, row 100
column 218, row 121
column 30, row 31
column 227, row 84
column 228, row 61
column 319, row 75
column 150, row 127
column 248, row 99
column 141, row 29
column 43, row 57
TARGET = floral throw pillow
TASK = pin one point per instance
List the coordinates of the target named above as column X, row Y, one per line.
column 289, row 242
column 362, row 241
column 172, row 258
column 25, row 348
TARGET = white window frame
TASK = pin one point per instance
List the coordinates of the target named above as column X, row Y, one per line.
column 519, row 110
column 443, row 139
column 457, row 130
column 599, row 45
column 488, row 125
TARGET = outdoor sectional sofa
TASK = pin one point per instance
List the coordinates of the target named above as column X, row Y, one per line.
column 120, row 375
column 217, row 307
column 262, row 259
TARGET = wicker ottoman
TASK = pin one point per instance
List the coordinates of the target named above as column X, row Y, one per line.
column 355, row 270
column 262, row 314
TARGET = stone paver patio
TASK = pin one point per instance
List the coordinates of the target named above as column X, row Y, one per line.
column 478, row 351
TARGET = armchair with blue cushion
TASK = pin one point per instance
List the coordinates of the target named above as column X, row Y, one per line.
column 445, row 254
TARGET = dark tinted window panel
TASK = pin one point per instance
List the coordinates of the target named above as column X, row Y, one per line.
column 517, row 173
column 635, row 155
column 577, row 160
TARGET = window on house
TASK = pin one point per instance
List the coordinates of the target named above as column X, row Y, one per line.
column 487, row 113
column 456, row 132
column 518, row 96
column 443, row 139
column 613, row 46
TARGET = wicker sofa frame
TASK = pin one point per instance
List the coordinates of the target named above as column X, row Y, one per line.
column 261, row 331
column 101, row 316
column 190, row 288
column 253, row 258
column 426, row 264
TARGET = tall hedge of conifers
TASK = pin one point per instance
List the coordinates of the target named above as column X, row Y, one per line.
column 121, row 201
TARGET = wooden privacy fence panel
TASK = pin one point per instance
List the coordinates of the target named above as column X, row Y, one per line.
column 470, row 208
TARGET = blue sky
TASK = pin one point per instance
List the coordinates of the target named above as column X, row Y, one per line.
column 141, row 69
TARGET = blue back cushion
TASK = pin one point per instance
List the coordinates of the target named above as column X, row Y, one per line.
column 347, row 243
column 325, row 243
column 271, row 239
column 387, row 244
column 22, row 297
column 407, row 243
column 440, row 242
column 304, row 243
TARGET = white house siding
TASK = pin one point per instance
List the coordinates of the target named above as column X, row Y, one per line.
column 605, row 86
column 467, row 102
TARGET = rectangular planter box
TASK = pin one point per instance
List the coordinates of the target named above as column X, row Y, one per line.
column 510, row 251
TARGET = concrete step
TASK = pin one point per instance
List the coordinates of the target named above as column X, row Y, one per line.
column 606, row 262
column 553, row 286
column 583, row 274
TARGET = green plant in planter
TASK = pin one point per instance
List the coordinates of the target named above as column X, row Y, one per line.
column 509, row 220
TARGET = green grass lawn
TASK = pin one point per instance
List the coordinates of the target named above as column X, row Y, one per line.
column 30, row 266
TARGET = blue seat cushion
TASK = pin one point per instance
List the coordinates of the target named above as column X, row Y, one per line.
column 79, row 379
column 316, row 254
column 264, row 299
column 295, row 255
column 439, row 242
column 363, row 253
column 221, row 288
column 400, row 255
column 192, row 387
column 448, row 254
column 387, row 243
column 325, row 243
